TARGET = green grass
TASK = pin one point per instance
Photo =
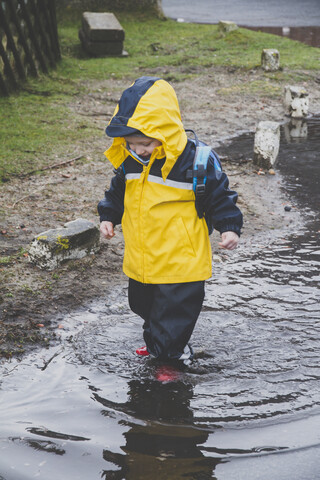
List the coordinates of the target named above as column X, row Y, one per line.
column 37, row 126
column 5, row 260
column 35, row 129
column 152, row 43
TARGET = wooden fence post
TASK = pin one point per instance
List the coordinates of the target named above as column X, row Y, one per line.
column 42, row 33
column 51, row 32
column 36, row 45
column 8, row 70
column 3, row 86
column 53, row 19
column 12, row 45
column 28, row 40
column 23, row 39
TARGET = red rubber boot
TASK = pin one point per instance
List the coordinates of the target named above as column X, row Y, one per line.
column 167, row 373
column 142, row 351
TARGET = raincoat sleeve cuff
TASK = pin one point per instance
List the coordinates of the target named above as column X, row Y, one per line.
column 230, row 228
column 110, row 217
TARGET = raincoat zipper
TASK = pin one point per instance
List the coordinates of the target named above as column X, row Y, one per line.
column 144, row 177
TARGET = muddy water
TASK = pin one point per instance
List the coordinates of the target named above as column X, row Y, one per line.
column 309, row 35
column 248, row 409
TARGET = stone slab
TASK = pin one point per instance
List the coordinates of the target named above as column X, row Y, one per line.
column 226, row 26
column 99, row 49
column 102, row 27
column 270, row 59
column 266, row 144
column 74, row 240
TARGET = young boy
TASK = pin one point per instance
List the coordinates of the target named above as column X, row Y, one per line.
column 167, row 247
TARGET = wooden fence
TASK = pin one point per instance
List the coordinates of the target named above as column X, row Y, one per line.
column 29, row 41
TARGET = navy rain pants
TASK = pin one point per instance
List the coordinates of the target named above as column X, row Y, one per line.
column 169, row 311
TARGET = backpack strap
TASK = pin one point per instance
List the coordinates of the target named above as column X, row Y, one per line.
column 199, row 173
column 120, row 171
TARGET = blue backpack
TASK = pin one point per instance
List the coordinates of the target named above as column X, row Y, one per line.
column 198, row 174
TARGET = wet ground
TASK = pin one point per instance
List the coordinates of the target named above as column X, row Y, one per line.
column 249, row 408
column 308, row 35
column 274, row 13
column 290, row 18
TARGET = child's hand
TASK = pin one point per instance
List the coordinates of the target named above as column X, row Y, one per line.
column 229, row 240
column 106, row 228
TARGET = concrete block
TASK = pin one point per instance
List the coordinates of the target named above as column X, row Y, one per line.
column 270, row 59
column 102, row 27
column 99, row 49
column 226, row 26
column 266, row 144
column 101, row 34
column 296, row 101
column 74, row 240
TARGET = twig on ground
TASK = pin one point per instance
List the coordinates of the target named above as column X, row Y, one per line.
column 49, row 167
column 46, row 363
column 96, row 114
column 33, row 193
column 25, row 196
column 236, row 173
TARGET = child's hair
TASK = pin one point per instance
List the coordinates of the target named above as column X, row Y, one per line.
column 136, row 134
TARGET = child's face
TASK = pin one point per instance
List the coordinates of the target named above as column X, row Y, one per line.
column 142, row 146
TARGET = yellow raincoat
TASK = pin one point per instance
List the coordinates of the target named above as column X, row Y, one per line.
column 165, row 240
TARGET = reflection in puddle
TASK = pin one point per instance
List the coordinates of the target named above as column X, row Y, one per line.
column 295, row 129
column 250, row 406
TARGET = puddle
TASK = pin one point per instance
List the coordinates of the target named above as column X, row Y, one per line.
column 309, row 35
column 250, row 408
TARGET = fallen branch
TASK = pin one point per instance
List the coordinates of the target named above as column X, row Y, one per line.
column 50, row 167
column 32, row 193
column 236, row 173
column 96, row 114
column 45, row 364
column 56, row 165
column 26, row 196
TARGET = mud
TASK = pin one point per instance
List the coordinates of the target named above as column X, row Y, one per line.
column 215, row 105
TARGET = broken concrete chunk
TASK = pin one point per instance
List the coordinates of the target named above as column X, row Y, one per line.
column 266, row 144
column 296, row 101
column 226, row 26
column 74, row 240
column 270, row 59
